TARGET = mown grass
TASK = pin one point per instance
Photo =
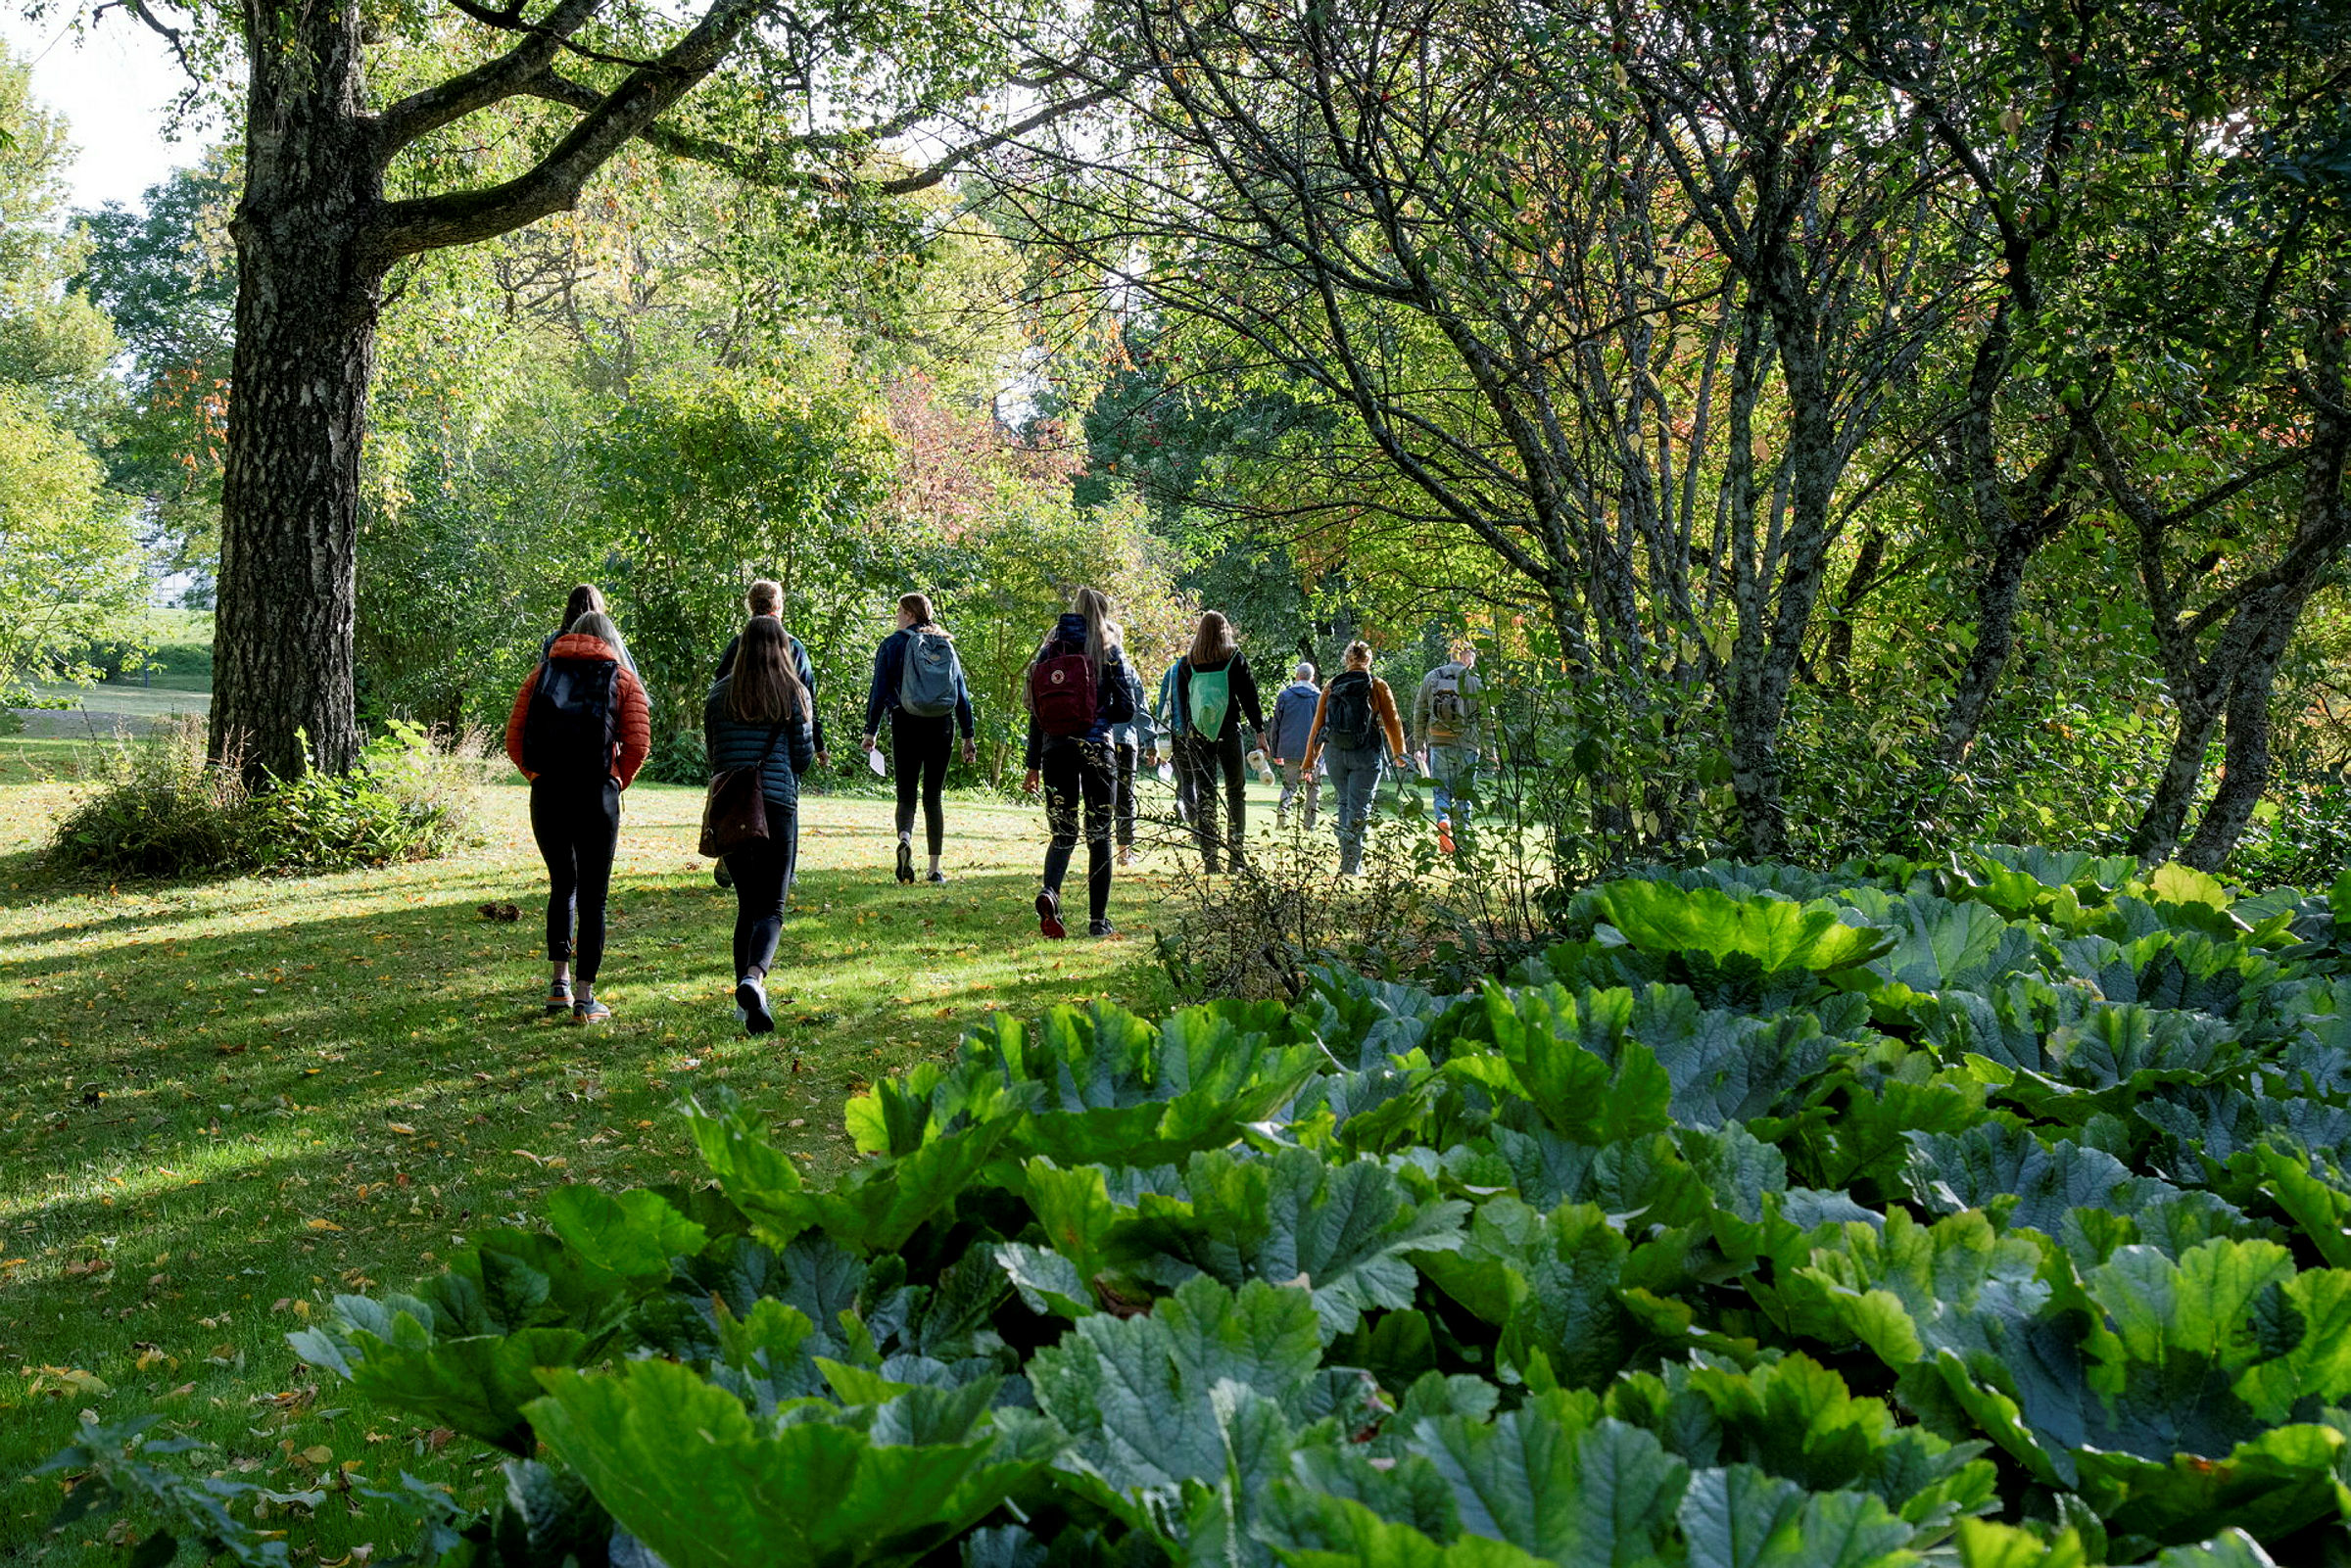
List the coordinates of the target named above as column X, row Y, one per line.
column 219, row 1104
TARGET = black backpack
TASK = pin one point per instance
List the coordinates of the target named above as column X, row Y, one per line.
column 572, row 728
column 1347, row 717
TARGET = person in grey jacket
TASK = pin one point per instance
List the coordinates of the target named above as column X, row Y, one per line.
column 1293, row 717
column 1130, row 743
column 758, row 715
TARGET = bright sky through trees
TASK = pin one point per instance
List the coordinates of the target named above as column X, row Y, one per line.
column 114, row 84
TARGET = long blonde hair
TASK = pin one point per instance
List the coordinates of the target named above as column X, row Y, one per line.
column 1101, row 632
column 765, row 689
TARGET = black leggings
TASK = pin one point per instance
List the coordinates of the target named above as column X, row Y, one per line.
column 919, row 749
column 577, row 827
column 1074, row 774
column 1213, row 760
column 1126, row 813
column 762, row 871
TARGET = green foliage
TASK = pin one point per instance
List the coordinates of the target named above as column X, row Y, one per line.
column 1580, row 1292
column 158, row 807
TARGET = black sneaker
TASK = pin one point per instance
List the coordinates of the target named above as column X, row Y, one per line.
column 751, row 1000
column 1100, row 928
column 905, row 861
column 934, row 878
column 720, row 875
column 1048, row 914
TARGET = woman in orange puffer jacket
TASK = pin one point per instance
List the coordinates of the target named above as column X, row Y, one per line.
column 579, row 731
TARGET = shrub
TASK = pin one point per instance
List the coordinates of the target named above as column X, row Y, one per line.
column 1416, row 913
column 156, row 807
column 161, row 808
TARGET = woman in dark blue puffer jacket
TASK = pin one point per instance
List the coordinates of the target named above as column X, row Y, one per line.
column 759, row 715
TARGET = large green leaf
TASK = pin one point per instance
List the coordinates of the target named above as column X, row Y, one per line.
column 1104, row 1085
column 876, row 1210
column 1320, row 1531
column 1740, row 1517
column 683, row 1469
column 1134, row 1394
column 1553, row 1480
column 1342, row 1232
column 1795, row 1419
column 1947, row 1172
column 1544, row 1039
column 1776, row 932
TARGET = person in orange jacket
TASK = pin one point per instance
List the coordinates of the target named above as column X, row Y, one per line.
column 579, row 731
column 1357, row 712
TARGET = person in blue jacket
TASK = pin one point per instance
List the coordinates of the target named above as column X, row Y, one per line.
column 1293, row 719
column 758, row 714
column 1133, row 743
column 919, row 743
column 1069, row 755
column 1171, row 742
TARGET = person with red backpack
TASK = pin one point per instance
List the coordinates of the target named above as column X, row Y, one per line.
column 579, row 731
column 1215, row 691
column 918, row 681
column 1355, row 713
column 1078, row 688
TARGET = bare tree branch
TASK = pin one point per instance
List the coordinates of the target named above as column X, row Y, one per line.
column 461, row 218
column 493, row 81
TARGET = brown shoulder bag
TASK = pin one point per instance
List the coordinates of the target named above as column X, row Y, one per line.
column 735, row 812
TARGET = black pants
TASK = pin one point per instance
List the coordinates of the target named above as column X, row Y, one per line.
column 1074, row 774
column 578, row 829
column 1212, row 761
column 762, row 871
column 1124, row 812
column 1179, row 758
column 917, row 751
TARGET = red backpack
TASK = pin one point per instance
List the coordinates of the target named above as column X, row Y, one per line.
column 1061, row 692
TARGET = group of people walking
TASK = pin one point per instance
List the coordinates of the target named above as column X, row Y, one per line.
column 580, row 729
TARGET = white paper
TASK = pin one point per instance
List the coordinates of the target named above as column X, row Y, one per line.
column 873, row 760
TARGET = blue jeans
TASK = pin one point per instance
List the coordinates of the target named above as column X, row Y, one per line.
column 1455, row 768
column 1355, row 778
column 1295, row 785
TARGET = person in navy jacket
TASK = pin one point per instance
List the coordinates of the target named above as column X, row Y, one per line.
column 1075, row 770
column 919, row 745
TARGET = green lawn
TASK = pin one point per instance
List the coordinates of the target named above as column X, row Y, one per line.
column 163, row 694
column 222, row 1103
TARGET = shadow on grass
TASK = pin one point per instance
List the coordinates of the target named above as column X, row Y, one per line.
column 270, row 1099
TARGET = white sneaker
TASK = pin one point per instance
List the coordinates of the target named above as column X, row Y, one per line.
column 750, row 1007
column 1126, row 855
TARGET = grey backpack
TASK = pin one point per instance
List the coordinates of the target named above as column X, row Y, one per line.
column 930, row 675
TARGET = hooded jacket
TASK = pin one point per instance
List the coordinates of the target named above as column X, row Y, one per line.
column 1294, row 710
column 1114, row 702
column 631, row 714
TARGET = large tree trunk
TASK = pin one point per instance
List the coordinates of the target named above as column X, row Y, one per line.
column 2246, row 765
column 1997, row 593
column 305, row 334
column 2158, row 831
